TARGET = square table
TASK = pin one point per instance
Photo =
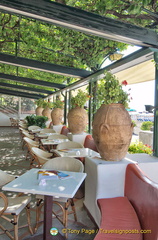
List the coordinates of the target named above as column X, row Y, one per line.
column 52, row 142
column 44, row 135
column 77, row 152
column 28, row 183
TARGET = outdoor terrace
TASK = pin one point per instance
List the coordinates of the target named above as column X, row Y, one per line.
column 12, row 161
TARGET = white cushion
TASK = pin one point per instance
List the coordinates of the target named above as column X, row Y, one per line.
column 5, row 178
column 15, row 204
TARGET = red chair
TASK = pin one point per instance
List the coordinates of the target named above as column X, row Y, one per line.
column 89, row 143
column 64, row 130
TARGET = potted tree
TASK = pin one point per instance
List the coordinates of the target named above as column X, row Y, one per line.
column 77, row 116
column 39, row 109
column 57, row 112
column 112, row 125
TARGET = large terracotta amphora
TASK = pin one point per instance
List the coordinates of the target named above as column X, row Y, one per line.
column 57, row 116
column 77, row 120
column 112, row 131
column 47, row 113
column 39, row 111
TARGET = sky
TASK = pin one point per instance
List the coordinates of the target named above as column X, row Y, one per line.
column 141, row 93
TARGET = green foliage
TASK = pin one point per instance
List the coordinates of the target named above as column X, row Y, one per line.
column 134, row 123
column 47, row 104
column 39, row 102
column 58, row 104
column 110, row 91
column 80, row 99
column 146, row 126
column 29, row 38
column 36, row 120
column 139, row 147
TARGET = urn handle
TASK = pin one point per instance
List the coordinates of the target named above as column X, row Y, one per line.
column 104, row 127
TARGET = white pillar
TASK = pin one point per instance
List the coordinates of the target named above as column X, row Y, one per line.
column 19, row 108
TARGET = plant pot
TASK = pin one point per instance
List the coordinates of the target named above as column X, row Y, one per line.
column 77, row 120
column 47, row 113
column 112, row 131
column 57, row 116
column 39, row 111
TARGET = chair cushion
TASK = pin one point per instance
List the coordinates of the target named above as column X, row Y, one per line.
column 15, row 204
column 5, row 178
column 118, row 215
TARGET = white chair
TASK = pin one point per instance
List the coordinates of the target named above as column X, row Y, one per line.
column 40, row 156
column 23, row 125
column 10, row 209
column 61, row 164
column 5, row 178
column 26, row 134
column 30, row 143
column 69, row 144
column 47, row 130
column 34, row 127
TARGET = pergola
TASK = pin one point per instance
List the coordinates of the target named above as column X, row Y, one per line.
column 89, row 23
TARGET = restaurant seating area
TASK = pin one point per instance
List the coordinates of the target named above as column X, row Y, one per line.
column 14, row 162
column 120, row 199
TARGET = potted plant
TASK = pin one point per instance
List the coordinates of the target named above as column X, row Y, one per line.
column 139, row 147
column 36, row 120
column 47, row 109
column 112, row 125
column 77, row 116
column 146, row 126
column 57, row 112
column 39, row 109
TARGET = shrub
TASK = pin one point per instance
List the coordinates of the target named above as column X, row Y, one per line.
column 146, row 125
column 36, row 120
column 139, row 147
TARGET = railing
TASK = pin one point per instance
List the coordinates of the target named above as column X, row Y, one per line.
column 8, row 111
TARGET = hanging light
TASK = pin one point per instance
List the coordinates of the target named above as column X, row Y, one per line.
column 115, row 56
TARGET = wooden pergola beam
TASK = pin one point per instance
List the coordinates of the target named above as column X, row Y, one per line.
column 31, row 81
column 29, row 89
column 89, row 23
column 43, row 66
column 20, row 94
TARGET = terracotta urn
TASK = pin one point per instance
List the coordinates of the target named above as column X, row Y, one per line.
column 47, row 113
column 57, row 116
column 39, row 111
column 112, row 131
column 77, row 120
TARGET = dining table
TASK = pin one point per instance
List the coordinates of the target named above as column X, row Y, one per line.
column 52, row 143
column 76, row 152
column 29, row 183
column 39, row 136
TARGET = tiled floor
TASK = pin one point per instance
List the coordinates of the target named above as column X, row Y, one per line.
column 12, row 160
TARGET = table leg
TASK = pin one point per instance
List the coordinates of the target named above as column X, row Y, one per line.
column 48, row 203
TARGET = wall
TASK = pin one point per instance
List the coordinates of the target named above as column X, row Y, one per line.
column 4, row 120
